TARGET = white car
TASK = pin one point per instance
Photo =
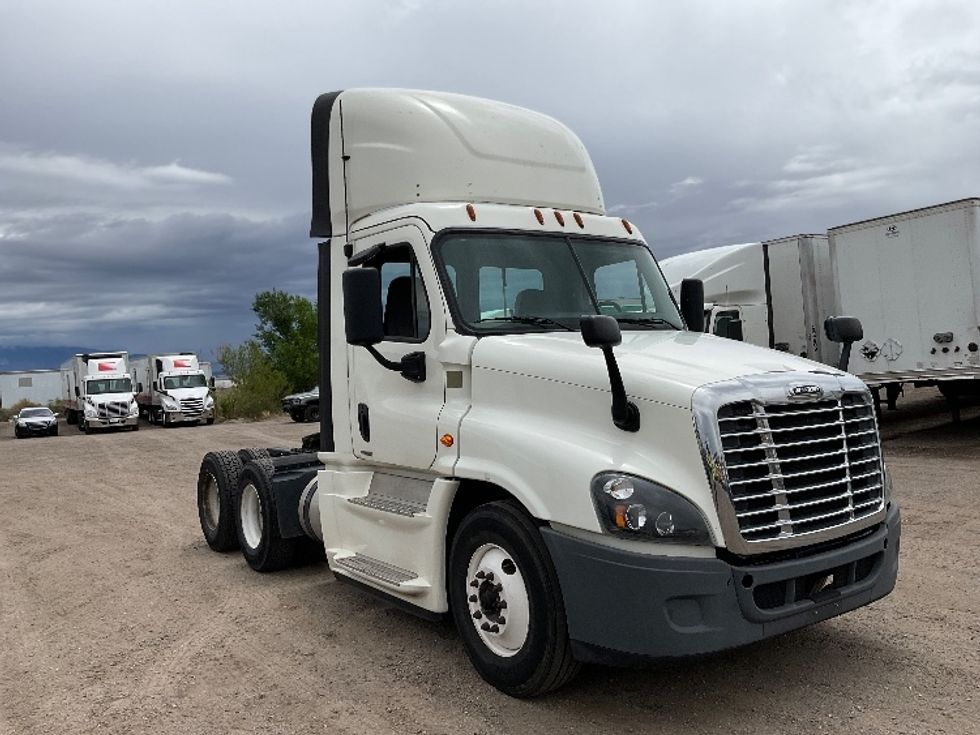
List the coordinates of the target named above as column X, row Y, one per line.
column 35, row 421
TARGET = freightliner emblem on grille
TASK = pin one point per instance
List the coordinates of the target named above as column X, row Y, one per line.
column 804, row 391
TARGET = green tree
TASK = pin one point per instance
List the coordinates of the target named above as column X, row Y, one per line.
column 258, row 383
column 287, row 334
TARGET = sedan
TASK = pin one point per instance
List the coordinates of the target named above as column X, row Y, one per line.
column 35, row 422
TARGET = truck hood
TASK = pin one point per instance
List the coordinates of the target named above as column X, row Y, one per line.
column 99, row 398
column 661, row 366
column 181, row 394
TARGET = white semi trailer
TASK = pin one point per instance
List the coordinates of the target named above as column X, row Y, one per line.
column 173, row 389
column 517, row 429
column 98, row 391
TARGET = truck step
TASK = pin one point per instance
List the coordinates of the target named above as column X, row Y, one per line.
column 388, row 504
column 375, row 570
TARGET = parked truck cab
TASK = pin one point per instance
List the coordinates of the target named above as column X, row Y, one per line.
column 518, row 429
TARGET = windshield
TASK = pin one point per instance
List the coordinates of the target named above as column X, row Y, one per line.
column 197, row 380
column 35, row 412
column 108, row 385
column 517, row 283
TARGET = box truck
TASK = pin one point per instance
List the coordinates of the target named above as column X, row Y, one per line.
column 173, row 389
column 98, row 391
column 521, row 430
column 775, row 293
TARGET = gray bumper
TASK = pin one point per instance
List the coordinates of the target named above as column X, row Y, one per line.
column 624, row 607
column 97, row 423
column 179, row 417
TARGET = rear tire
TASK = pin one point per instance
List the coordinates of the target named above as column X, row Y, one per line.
column 257, row 521
column 217, row 486
column 529, row 653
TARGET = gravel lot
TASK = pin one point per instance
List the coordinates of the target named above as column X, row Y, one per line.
column 116, row 617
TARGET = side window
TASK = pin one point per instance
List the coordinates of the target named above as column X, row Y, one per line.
column 727, row 324
column 505, row 291
column 404, row 302
column 621, row 289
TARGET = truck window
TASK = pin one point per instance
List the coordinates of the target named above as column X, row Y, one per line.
column 620, row 288
column 499, row 288
column 403, row 298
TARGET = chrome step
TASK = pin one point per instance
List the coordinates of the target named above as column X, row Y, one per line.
column 388, row 504
column 382, row 571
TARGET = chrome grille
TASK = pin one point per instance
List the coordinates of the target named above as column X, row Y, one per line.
column 113, row 409
column 192, row 406
column 799, row 468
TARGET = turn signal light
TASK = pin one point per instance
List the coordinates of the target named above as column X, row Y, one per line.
column 560, row 218
column 447, row 440
column 471, row 211
column 539, row 215
column 578, row 220
column 628, row 227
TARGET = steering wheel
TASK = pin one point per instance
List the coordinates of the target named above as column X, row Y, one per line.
column 608, row 302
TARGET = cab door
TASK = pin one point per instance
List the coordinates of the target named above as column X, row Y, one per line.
column 393, row 419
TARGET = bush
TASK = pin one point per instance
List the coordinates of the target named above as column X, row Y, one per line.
column 259, row 386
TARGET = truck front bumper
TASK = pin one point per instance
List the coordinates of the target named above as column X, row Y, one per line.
column 624, row 607
column 103, row 423
column 181, row 417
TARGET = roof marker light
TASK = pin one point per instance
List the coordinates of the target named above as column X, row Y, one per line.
column 627, row 226
column 560, row 218
column 578, row 220
column 539, row 216
column 471, row 211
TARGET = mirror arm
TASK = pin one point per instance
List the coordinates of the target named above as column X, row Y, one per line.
column 845, row 356
column 411, row 366
column 625, row 414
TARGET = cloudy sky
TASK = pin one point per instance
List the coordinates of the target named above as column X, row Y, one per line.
column 154, row 156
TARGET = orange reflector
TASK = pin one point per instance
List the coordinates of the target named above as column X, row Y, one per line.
column 628, row 227
column 447, row 440
column 558, row 216
column 471, row 211
column 578, row 220
column 540, row 216
column 619, row 516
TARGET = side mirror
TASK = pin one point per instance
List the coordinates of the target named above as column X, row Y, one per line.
column 154, row 385
column 78, row 393
column 211, row 382
column 603, row 332
column 363, row 319
column 692, row 303
column 139, row 387
column 844, row 329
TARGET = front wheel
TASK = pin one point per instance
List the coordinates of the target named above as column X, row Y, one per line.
column 312, row 413
column 507, row 602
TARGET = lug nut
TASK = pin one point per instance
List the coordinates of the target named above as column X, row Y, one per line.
column 500, row 619
column 472, row 598
column 499, row 587
column 480, row 575
column 474, row 583
column 494, row 629
column 489, row 576
column 502, row 605
column 477, row 615
column 485, row 626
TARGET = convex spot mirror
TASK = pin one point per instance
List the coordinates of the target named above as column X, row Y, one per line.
column 363, row 318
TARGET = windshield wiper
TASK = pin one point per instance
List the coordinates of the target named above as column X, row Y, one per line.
column 645, row 321
column 540, row 321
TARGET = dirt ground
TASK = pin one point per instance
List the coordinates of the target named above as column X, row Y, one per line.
column 116, row 617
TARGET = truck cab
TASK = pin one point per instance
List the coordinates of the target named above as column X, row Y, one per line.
column 98, row 391
column 173, row 389
column 519, row 430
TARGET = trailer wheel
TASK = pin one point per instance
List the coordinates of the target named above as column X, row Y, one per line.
column 257, row 521
column 507, row 602
column 217, row 485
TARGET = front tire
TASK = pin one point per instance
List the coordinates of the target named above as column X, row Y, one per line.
column 257, row 520
column 217, row 486
column 311, row 413
column 507, row 602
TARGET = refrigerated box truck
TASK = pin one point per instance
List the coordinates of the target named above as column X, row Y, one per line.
column 173, row 389
column 98, row 391
column 774, row 294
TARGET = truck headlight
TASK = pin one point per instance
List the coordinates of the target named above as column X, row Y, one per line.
column 134, row 408
column 169, row 404
column 91, row 410
column 209, row 402
column 632, row 507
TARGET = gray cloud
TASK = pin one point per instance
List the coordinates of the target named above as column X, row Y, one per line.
column 154, row 159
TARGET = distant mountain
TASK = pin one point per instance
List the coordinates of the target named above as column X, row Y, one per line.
column 35, row 358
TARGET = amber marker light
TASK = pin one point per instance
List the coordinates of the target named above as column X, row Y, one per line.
column 619, row 516
column 627, row 226
column 560, row 218
column 471, row 211
column 447, row 440
column 539, row 216
column 578, row 220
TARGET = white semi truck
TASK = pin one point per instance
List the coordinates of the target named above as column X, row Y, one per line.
column 518, row 430
column 98, row 391
column 173, row 389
